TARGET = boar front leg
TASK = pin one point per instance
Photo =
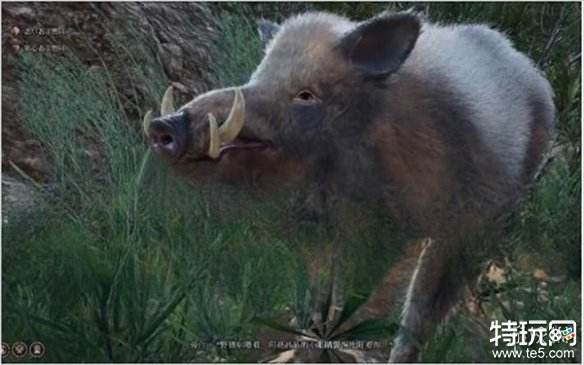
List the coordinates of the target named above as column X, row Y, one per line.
column 433, row 288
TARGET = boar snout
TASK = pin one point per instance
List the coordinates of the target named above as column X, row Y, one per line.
column 171, row 134
column 168, row 135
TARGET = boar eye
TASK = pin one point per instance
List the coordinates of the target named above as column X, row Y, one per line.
column 305, row 97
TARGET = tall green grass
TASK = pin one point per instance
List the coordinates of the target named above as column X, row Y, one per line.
column 124, row 262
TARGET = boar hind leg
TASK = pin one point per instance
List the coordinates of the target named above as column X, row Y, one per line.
column 433, row 288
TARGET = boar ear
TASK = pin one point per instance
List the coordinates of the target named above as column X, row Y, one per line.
column 267, row 30
column 379, row 46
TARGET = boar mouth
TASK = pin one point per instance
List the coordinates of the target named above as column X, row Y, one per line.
column 243, row 143
column 237, row 145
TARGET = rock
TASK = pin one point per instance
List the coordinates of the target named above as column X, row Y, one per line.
column 180, row 87
column 17, row 196
column 19, row 11
column 496, row 274
column 540, row 275
column 172, row 59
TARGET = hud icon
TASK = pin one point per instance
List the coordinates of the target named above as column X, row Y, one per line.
column 5, row 349
column 19, row 349
column 37, row 349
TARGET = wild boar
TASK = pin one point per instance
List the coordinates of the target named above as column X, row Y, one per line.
column 444, row 125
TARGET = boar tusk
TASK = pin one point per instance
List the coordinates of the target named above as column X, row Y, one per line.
column 214, row 142
column 167, row 105
column 234, row 123
column 147, row 121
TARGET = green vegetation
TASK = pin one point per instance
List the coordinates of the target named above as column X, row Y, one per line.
column 123, row 262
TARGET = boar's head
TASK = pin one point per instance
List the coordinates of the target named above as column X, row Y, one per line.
column 308, row 103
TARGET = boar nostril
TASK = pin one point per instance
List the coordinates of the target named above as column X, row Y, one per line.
column 166, row 139
column 168, row 136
